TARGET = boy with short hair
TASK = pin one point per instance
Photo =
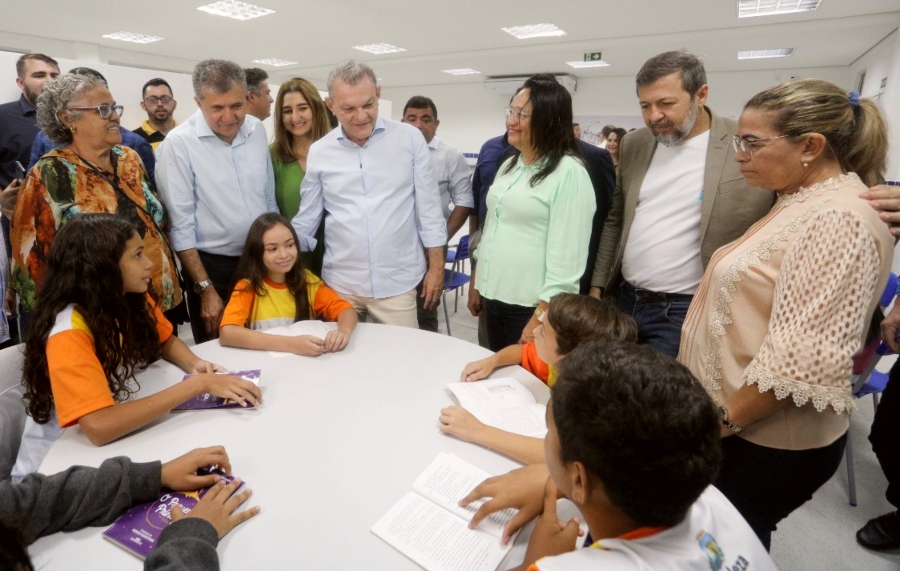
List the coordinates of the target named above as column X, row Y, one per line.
column 570, row 320
column 634, row 442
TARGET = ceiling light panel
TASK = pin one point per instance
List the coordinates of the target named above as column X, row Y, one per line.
column 379, row 49
column 753, row 8
column 534, row 31
column 461, row 71
column 585, row 64
column 762, row 54
column 132, row 37
column 235, row 9
column 274, row 61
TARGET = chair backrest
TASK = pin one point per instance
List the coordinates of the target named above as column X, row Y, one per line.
column 11, row 360
column 462, row 250
column 890, row 291
column 12, row 408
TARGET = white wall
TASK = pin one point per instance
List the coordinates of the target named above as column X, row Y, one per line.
column 470, row 114
column 880, row 63
column 125, row 84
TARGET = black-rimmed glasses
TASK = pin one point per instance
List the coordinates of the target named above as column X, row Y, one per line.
column 153, row 100
column 105, row 110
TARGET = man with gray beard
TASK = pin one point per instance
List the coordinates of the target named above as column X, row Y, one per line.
column 679, row 197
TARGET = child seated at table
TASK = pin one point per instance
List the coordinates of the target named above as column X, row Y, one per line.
column 634, row 443
column 274, row 289
column 82, row 496
column 573, row 319
column 570, row 320
column 95, row 324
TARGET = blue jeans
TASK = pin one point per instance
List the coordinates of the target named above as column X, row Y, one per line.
column 659, row 316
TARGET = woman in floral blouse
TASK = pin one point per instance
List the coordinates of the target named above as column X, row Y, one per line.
column 90, row 172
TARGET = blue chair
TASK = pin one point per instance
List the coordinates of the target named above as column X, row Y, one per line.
column 868, row 381
column 457, row 254
column 454, row 279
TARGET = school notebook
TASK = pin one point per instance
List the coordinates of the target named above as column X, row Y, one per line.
column 206, row 400
column 428, row 526
column 312, row 327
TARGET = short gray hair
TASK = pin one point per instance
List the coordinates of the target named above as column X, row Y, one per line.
column 56, row 97
column 693, row 75
column 350, row 72
column 218, row 76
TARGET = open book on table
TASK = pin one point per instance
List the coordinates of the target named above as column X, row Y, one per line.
column 138, row 529
column 206, row 400
column 503, row 403
column 428, row 525
column 312, row 327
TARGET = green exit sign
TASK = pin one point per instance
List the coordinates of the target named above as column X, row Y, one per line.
column 592, row 56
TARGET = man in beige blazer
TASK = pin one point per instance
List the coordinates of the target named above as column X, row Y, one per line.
column 679, row 197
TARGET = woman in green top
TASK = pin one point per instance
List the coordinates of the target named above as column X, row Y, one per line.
column 301, row 120
column 540, row 209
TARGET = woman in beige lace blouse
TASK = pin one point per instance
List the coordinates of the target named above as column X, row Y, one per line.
column 772, row 328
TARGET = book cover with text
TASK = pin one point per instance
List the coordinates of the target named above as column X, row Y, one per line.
column 138, row 529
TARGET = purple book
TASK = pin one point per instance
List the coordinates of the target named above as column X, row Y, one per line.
column 206, row 400
column 138, row 530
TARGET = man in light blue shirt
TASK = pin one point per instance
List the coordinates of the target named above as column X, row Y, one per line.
column 373, row 181
column 215, row 178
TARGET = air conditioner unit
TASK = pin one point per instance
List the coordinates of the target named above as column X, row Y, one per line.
column 507, row 85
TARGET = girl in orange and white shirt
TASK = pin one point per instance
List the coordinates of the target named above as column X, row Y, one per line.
column 96, row 323
column 275, row 290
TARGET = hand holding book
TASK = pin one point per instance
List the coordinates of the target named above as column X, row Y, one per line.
column 188, row 471
column 217, row 506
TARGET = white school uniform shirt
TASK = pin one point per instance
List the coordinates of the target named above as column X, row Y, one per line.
column 713, row 537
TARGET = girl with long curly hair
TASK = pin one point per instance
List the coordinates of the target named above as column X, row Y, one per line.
column 96, row 323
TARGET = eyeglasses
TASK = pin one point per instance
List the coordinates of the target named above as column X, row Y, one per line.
column 747, row 145
column 105, row 110
column 153, row 100
column 517, row 113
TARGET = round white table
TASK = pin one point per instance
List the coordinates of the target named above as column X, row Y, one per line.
column 338, row 440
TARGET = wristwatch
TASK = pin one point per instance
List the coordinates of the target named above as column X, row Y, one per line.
column 200, row 287
column 722, row 412
column 538, row 312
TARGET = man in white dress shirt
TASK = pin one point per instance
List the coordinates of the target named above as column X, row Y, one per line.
column 454, row 182
column 215, row 178
column 373, row 182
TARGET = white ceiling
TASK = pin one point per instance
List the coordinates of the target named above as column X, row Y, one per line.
column 451, row 34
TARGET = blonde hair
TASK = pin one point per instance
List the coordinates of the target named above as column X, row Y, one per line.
column 854, row 127
column 320, row 127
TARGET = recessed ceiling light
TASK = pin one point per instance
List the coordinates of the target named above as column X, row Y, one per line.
column 379, row 49
column 132, row 37
column 760, row 54
column 534, row 31
column 461, row 71
column 593, row 63
column 752, row 8
column 236, row 9
column 274, row 61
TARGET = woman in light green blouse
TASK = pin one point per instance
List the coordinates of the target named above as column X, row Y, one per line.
column 301, row 119
column 534, row 244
